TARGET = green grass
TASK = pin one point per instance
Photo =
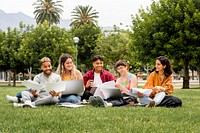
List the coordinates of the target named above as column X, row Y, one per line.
column 55, row 119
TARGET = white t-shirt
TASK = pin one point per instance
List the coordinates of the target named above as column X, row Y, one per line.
column 97, row 79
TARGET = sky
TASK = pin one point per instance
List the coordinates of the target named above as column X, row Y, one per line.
column 111, row 12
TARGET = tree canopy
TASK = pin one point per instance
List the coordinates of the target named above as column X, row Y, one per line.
column 88, row 34
column 82, row 15
column 170, row 28
column 48, row 10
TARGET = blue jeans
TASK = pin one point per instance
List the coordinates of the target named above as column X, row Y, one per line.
column 145, row 100
column 70, row 98
column 19, row 95
column 158, row 98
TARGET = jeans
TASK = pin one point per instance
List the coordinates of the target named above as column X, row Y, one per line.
column 145, row 100
column 158, row 98
column 70, row 98
column 40, row 100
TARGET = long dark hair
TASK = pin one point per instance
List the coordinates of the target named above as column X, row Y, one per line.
column 164, row 61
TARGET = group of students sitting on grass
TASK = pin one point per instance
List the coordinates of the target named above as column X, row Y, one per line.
column 160, row 81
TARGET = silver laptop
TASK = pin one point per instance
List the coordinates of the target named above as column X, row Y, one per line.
column 111, row 92
column 74, row 87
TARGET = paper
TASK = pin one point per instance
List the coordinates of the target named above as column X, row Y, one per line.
column 146, row 92
column 109, row 84
column 71, row 105
column 98, row 92
column 32, row 85
column 56, row 86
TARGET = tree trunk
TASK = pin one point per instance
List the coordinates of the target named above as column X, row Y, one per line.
column 14, row 79
column 30, row 73
column 192, row 74
column 186, row 74
column 9, row 77
column 198, row 73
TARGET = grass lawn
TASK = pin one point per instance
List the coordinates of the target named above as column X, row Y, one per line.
column 55, row 119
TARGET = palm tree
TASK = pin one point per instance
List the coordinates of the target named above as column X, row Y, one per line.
column 83, row 15
column 47, row 10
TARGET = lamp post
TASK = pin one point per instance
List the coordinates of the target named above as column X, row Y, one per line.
column 76, row 40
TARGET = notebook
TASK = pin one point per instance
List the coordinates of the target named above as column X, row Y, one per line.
column 111, row 92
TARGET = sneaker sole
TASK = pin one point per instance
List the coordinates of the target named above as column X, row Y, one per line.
column 100, row 101
column 26, row 106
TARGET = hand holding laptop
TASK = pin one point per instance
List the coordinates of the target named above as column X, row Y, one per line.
column 119, row 86
column 55, row 94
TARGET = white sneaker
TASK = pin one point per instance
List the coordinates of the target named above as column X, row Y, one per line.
column 28, row 104
column 16, row 105
column 11, row 98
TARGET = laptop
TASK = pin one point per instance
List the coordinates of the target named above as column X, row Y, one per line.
column 93, row 89
column 73, row 87
column 111, row 92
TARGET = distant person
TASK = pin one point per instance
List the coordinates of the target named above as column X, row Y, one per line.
column 95, row 77
column 33, row 98
column 125, row 82
column 160, row 81
column 67, row 70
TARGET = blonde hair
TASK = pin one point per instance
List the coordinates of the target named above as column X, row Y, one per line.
column 61, row 68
